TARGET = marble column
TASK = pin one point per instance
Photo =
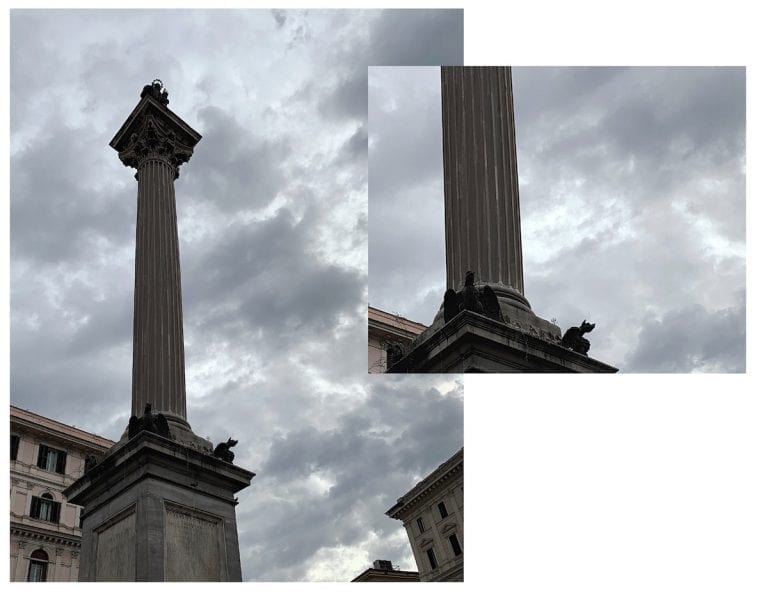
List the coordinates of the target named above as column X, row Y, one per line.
column 156, row 142
column 158, row 334
column 482, row 205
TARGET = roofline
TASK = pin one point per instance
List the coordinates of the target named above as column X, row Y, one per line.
column 88, row 433
column 396, row 316
column 426, row 484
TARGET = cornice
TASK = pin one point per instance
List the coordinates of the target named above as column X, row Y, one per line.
column 28, row 533
column 65, row 439
column 447, row 472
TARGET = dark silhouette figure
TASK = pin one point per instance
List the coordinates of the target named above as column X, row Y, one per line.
column 223, row 452
column 491, row 304
column 471, row 299
column 155, row 89
column 575, row 340
column 148, row 422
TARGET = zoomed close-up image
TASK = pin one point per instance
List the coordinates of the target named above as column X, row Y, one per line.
column 569, row 219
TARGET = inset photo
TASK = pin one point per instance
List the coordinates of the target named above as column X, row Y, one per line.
column 568, row 219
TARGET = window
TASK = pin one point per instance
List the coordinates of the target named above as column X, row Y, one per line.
column 14, row 446
column 38, row 566
column 455, row 545
column 420, row 524
column 442, row 510
column 44, row 508
column 51, row 460
column 432, row 558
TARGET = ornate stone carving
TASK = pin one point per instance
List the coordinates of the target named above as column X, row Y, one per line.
column 471, row 299
column 155, row 141
column 575, row 340
column 223, row 451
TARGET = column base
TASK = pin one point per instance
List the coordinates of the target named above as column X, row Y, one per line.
column 181, row 432
column 473, row 343
column 156, row 510
column 516, row 311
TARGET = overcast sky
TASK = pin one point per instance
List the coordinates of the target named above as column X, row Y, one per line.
column 632, row 185
column 273, row 239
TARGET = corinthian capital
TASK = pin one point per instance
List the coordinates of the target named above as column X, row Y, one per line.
column 154, row 141
column 154, row 132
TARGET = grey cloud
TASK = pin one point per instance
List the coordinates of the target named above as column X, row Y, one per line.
column 417, row 37
column 691, row 339
column 405, row 177
column 48, row 224
column 280, row 17
column 396, row 37
column 235, row 168
column 355, row 148
column 264, row 277
column 649, row 116
column 349, row 97
column 412, row 147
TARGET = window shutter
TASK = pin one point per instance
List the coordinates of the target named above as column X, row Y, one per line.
column 42, row 457
column 14, row 446
column 55, row 510
column 34, row 511
column 61, row 462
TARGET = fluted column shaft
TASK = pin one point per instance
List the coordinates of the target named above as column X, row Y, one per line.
column 482, row 206
column 158, row 334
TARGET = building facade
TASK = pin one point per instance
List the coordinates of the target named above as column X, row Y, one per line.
column 433, row 516
column 46, row 456
column 388, row 337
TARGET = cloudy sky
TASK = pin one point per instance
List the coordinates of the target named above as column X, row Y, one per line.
column 632, row 185
column 273, row 238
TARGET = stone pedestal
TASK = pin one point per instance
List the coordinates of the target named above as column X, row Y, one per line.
column 473, row 343
column 155, row 510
